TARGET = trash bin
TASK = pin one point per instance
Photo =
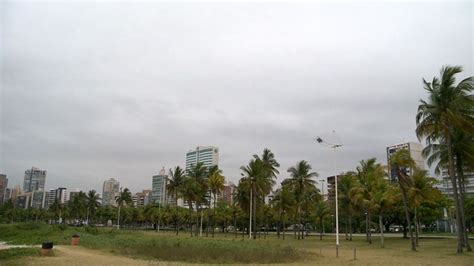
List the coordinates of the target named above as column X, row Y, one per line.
column 75, row 240
column 46, row 248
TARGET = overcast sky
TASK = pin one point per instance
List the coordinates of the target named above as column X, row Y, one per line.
column 91, row 91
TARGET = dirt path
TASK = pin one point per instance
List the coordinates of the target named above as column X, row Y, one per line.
column 69, row 255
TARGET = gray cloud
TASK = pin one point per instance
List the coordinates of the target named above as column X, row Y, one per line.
column 98, row 90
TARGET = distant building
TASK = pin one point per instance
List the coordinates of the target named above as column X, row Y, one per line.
column 447, row 188
column 227, row 194
column 59, row 194
column 415, row 150
column 3, row 187
column 158, row 191
column 331, row 187
column 110, row 190
column 208, row 155
column 34, row 180
column 73, row 194
column 39, row 199
column 15, row 192
column 8, row 195
column 23, row 201
column 141, row 199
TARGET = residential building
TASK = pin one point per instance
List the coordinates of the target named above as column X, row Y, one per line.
column 208, row 155
column 8, row 195
column 141, row 199
column 34, row 180
column 73, row 194
column 227, row 194
column 15, row 192
column 110, row 190
column 158, row 191
column 415, row 150
column 23, row 201
column 3, row 187
column 39, row 199
column 59, row 194
column 447, row 188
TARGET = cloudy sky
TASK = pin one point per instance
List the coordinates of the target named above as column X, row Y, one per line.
column 91, row 91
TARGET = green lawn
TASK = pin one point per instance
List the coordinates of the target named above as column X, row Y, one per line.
column 165, row 246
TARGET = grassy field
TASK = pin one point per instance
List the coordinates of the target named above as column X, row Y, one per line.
column 165, row 246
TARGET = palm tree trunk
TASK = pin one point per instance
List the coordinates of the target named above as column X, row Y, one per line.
column 407, row 215
column 254, row 214
column 190, row 206
column 462, row 191
column 381, row 231
column 321, row 231
column 455, row 192
column 283, row 228
column 350, row 227
column 416, row 226
column 214, row 214
column 118, row 217
column 370, row 229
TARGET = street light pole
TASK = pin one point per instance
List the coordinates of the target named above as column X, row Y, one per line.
column 334, row 146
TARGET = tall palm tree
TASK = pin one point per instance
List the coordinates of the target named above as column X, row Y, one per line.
column 421, row 191
column 124, row 197
column 321, row 211
column 191, row 192
column 92, row 204
column 449, row 107
column 369, row 174
column 200, row 174
column 347, row 182
column 216, row 185
column 301, row 182
column 401, row 161
column 176, row 181
column 283, row 201
column 463, row 149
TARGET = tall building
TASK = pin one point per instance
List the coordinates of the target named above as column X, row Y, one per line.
column 414, row 149
column 59, row 194
column 447, row 188
column 8, row 195
column 3, row 187
column 141, row 199
column 227, row 194
column 15, row 192
column 158, row 191
column 39, row 199
column 208, row 155
column 110, row 190
column 34, row 180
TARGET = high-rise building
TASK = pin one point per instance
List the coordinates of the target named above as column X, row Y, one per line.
column 3, row 187
column 158, row 191
column 39, row 199
column 208, row 155
column 227, row 194
column 446, row 186
column 415, row 150
column 8, row 195
column 141, row 199
column 34, row 180
column 59, row 194
column 110, row 190
column 15, row 192
column 23, row 201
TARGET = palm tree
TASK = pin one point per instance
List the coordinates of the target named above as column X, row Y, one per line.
column 92, row 203
column 176, row 182
column 124, row 197
column 191, row 192
column 199, row 173
column 369, row 173
column 463, row 149
column 347, row 182
column 283, row 201
column 400, row 161
column 216, row 184
column 321, row 211
column 421, row 191
column 449, row 108
column 301, row 182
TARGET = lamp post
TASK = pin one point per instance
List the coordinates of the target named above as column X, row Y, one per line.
column 334, row 146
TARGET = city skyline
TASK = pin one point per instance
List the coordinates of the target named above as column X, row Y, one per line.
column 124, row 96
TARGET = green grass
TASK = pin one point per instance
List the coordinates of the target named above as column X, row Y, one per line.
column 13, row 253
column 144, row 244
column 165, row 246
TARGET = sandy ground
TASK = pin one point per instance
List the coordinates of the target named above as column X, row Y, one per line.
column 76, row 255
